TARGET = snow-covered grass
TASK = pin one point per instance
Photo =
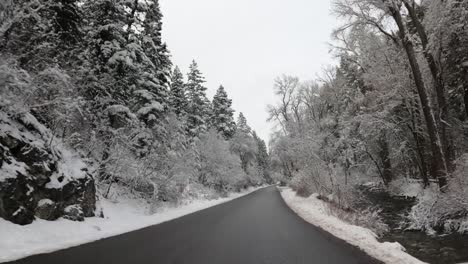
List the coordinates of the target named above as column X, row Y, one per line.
column 315, row 212
column 47, row 236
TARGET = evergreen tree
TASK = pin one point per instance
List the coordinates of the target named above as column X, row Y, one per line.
column 156, row 68
column 222, row 119
column 198, row 106
column 178, row 96
column 105, row 31
column 105, row 37
column 262, row 157
column 128, row 68
column 41, row 32
column 154, row 48
column 127, row 56
column 68, row 21
column 242, row 125
column 243, row 144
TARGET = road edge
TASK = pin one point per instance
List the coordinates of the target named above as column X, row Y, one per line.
column 362, row 238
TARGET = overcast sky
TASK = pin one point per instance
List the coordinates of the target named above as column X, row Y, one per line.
column 245, row 44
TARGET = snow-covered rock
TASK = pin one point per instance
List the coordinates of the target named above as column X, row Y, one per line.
column 38, row 177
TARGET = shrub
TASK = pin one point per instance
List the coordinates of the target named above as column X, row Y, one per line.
column 444, row 211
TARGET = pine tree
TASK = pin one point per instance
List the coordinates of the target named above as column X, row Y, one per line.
column 222, row 119
column 178, row 96
column 242, row 125
column 127, row 56
column 154, row 48
column 105, row 38
column 243, row 144
column 155, row 69
column 128, row 67
column 68, row 21
column 262, row 157
column 105, row 31
column 198, row 107
column 40, row 32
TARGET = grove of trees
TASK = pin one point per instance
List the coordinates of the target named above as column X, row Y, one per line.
column 394, row 110
column 98, row 74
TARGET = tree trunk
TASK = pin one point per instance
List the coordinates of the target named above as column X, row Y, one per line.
column 421, row 161
column 437, row 78
column 415, row 127
column 102, row 172
column 384, row 155
column 439, row 162
column 379, row 170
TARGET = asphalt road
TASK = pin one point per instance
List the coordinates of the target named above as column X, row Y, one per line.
column 258, row 228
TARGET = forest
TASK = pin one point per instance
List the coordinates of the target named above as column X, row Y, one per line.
column 92, row 108
column 96, row 78
column 392, row 114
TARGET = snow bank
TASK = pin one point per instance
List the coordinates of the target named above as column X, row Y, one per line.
column 47, row 236
column 314, row 211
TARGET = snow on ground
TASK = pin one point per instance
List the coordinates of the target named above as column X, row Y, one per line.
column 47, row 236
column 314, row 211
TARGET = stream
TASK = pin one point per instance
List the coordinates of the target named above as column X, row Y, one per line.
column 435, row 249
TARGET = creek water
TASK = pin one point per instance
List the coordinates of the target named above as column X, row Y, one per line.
column 434, row 249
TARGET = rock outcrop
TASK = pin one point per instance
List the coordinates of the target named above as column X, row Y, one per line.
column 38, row 176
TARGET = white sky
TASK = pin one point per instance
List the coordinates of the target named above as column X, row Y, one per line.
column 245, row 44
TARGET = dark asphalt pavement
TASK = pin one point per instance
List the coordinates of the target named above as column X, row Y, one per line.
column 255, row 229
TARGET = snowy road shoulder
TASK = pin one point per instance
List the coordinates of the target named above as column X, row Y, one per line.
column 41, row 236
column 314, row 211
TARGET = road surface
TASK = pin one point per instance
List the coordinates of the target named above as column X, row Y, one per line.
column 258, row 228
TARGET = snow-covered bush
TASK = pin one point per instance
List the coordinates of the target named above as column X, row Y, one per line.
column 244, row 145
column 195, row 190
column 444, row 211
column 369, row 217
column 16, row 85
column 218, row 167
column 303, row 185
column 49, row 95
column 255, row 175
column 152, row 164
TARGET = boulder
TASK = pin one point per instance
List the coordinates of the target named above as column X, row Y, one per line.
column 39, row 179
column 46, row 209
column 74, row 213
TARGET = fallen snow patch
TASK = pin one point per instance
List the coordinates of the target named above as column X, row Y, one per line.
column 314, row 211
column 42, row 236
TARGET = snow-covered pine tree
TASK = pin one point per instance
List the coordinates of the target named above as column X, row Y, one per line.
column 178, row 96
column 155, row 77
column 127, row 54
column 68, row 20
column 197, row 116
column 105, row 36
column 208, row 112
column 262, row 157
column 39, row 32
column 105, row 31
column 156, row 50
column 242, row 125
column 243, row 144
column 130, row 70
column 222, row 115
